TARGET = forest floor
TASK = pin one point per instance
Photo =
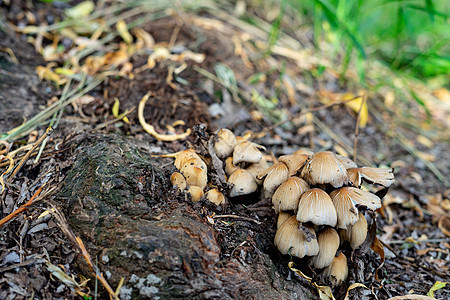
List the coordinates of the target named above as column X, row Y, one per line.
column 209, row 68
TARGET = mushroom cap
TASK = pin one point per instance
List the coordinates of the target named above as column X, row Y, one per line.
column 282, row 216
column 178, row 180
column 347, row 213
column 294, row 162
column 347, row 162
column 194, row 172
column 226, row 141
column 316, row 206
column 354, row 177
column 196, row 193
column 229, row 167
column 248, row 152
column 325, row 167
column 328, row 240
column 243, row 183
column 360, row 197
column 304, row 151
column 186, row 155
column 383, row 176
column 275, row 175
column 356, row 234
column 215, row 196
column 337, row 271
column 287, row 195
column 293, row 240
column 255, row 169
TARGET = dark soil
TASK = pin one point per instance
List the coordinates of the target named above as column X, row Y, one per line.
column 117, row 197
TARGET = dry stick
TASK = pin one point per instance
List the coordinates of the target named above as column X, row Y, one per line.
column 267, row 129
column 236, row 217
column 358, row 120
column 21, row 208
column 48, row 132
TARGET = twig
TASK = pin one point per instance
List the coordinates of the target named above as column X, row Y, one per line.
column 119, row 117
column 358, row 120
column 416, row 241
column 237, row 217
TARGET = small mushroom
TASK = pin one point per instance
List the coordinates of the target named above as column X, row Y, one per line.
column 215, row 196
column 382, row 176
column 275, row 175
column 226, row 141
column 354, row 177
column 304, row 151
column 243, row 183
column 337, row 271
column 247, row 152
column 287, row 195
column 282, row 216
column 195, row 173
column 178, row 180
column 347, row 213
column 359, row 197
column 196, row 193
column 255, row 169
column 229, row 166
column 356, row 234
column 323, row 168
column 347, row 162
column 294, row 162
column 185, row 155
column 316, row 206
column 328, row 240
column 290, row 239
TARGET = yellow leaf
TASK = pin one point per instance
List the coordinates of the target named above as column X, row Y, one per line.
column 353, row 286
column 115, row 111
column 81, row 10
column 355, row 105
column 122, row 29
column 64, row 71
column 437, row 286
column 325, row 292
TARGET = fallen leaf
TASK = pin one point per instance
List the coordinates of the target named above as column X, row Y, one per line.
column 122, row 29
column 81, row 10
column 436, row 286
column 411, row 297
column 325, row 292
column 378, row 248
column 353, row 286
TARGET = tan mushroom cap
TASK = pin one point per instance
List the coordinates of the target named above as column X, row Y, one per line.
column 185, row 155
column 382, row 176
column 243, row 183
column 287, row 195
column 294, row 162
column 178, row 180
column 215, row 196
column 347, row 162
column 290, row 239
column 323, row 168
column 255, row 169
column 354, row 177
column 304, row 151
column 248, row 152
column 229, row 167
column 226, row 141
column 337, row 271
column 282, row 216
column 356, row 234
column 328, row 240
column 317, row 207
column 196, row 193
column 275, row 175
column 347, row 213
column 360, row 197
column 195, row 173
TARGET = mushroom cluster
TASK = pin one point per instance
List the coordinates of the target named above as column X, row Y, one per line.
column 320, row 207
column 240, row 159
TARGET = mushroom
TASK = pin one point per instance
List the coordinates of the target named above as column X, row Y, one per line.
column 347, row 213
column 282, row 216
column 304, row 151
column 247, row 152
column 243, row 183
column 255, row 169
column 178, row 180
column 194, row 172
column 328, row 240
column 382, row 176
column 289, row 239
column 337, row 271
column 354, row 177
column 196, row 193
column 215, row 196
column 316, row 206
column 226, row 141
column 185, row 155
column 287, row 195
column 323, row 168
column 294, row 162
column 229, row 167
column 275, row 175
column 356, row 234
column 347, row 162
column 359, row 197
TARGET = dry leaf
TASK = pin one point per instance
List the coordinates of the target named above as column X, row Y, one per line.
column 378, row 248
column 353, row 286
column 325, row 292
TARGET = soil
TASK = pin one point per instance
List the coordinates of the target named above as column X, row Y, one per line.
column 114, row 193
